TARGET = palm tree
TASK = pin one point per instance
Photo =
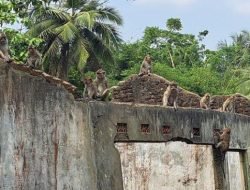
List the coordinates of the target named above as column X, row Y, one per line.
column 241, row 39
column 81, row 30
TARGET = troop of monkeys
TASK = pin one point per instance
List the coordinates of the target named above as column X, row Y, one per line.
column 98, row 88
column 33, row 59
column 170, row 96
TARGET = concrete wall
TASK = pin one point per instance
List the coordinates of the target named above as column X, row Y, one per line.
column 166, row 166
column 177, row 165
column 45, row 142
column 235, row 171
column 50, row 141
column 182, row 123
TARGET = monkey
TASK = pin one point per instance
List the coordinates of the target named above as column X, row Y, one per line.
column 230, row 103
column 146, row 66
column 101, row 82
column 4, row 47
column 34, row 58
column 223, row 138
column 170, row 96
column 90, row 90
column 204, row 102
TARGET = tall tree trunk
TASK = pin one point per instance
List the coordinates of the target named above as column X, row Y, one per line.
column 171, row 58
column 64, row 65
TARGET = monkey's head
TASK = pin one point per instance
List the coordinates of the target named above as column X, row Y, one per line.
column 100, row 74
column 31, row 49
column 87, row 81
column 207, row 96
column 226, row 130
column 173, row 85
column 148, row 59
column 3, row 38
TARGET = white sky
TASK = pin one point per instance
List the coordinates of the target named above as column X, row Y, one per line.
column 221, row 18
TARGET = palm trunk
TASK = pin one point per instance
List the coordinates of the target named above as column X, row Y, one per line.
column 63, row 66
column 172, row 60
column 92, row 64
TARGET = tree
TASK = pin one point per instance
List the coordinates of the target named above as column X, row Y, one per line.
column 174, row 24
column 87, row 32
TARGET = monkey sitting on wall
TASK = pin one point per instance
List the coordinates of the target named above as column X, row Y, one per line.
column 146, row 66
column 101, row 82
column 230, row 104
column 34, row 58
column 4, row 47
column 170, row 96
column 90, row 90
column 205, row 101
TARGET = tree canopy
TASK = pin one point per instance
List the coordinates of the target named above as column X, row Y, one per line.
column 77, row 37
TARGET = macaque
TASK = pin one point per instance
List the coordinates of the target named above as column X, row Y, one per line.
column 90, row 90
column 223, row 138
column 101, row 82
column 170, row 96
column 34, row 58
column 4, row 47
column 146, row 66
column 204, row 102
column 229, row 104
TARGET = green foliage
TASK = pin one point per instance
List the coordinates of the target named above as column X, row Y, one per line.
column 182, row 58
column 174, row 24
column 88, row 31
column 19, row 43
column 84, row 31
column 7, row 16
column 196, row 79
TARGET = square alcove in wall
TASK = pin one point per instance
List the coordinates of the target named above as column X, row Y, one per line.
column 121, row 128
column 166, row 129
column 121, row 131
column 196, row 132
column 145, row 129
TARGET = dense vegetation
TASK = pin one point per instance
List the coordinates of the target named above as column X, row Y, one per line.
column 78, row 36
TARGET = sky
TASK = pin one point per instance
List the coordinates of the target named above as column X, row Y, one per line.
column 222, row 18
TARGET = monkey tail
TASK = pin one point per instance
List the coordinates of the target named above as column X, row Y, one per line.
column 222, row 168
column 105, row 94
column 222, row 163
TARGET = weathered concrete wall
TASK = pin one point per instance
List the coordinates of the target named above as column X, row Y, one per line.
column 235, row 171
column 182, row 123
column 50, row 141
column 177, row 165
column 173, row 165
column 45, row 142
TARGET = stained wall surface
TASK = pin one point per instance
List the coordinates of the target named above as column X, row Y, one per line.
column 175, row 165
column 45, row 142
column 50, row 141
column 235, row 170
